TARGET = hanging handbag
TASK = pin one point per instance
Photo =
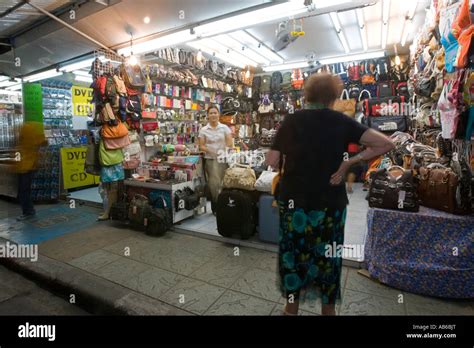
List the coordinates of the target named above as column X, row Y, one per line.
column 133, row 76
column 114, row 132
column 388, row 123
column 437, row 187
column 346, row 106
column 109, row 157
column 116, row 143
column 393, row 192
column 92, row 163
column 239, row 177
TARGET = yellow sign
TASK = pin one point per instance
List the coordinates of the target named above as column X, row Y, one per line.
column 81, row 99
column 72, row 164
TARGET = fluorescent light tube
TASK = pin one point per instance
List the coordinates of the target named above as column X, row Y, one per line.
column 233, row 44
column 16, row 87
column 245, row 38
column 386, row 10
column 363, row 32
column 249, row 19
column 83, row 78
column 3, row 78
column 340, row 33
column 79, row 65
column 384, row 35
column 82, row 73
column 161, row 42
column 406, row 32
column 8, row 83
column 412, row 9
column 43, row 75
column 326, row 3
column 287, row 66
column 218, row 48
column 352, row 57
column 229, row 59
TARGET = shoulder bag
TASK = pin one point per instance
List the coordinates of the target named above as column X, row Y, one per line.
column 437, row 187
column 240, row 177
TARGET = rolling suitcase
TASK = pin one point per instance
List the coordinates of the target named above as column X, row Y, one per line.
column 235, row 214
column 269, row 220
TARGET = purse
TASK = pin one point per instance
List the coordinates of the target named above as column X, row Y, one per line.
column 109, row 157
column 114, row 132
column 396, row 123
column 239, row 177
column 116, row 143
column 265, row 180
column 437, row 187
column 92, row 163
column 346, row 106
column 393, row 192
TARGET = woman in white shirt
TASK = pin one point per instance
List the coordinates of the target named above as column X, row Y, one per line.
column 213, row 140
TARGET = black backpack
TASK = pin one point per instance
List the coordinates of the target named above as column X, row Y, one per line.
column 354, row 91
column 159, row 221
column 277, row 79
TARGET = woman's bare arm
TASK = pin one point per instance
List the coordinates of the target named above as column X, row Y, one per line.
column 272, row 159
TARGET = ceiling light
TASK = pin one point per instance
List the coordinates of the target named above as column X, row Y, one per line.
column 225, row 57
column 42, row 75
column 78, row 65
column 352, row 57
column 210, row 43
column 397, row 60
column 228, row 41
column 161, row 42
column 82, row 73
column 3, row 78
column 249, row 19
column 248, row 40
column 363, row 32
column 326, row 3
column 7, row 83
column 287, row 66
column 132, row 60
column 412, row 9
column 83, row 78
column 337, row 26
column 146, row 20
column 407, row 30
column 16, row 87
column 385, row 18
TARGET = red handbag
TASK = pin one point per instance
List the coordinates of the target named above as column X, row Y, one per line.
column 149, row 126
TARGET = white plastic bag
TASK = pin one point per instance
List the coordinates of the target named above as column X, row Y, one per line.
column 265, row 180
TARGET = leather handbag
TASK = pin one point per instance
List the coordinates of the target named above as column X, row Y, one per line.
column 116, row 143
column 240, row 177
column 388, row 191
column 437, row 187
column 92, row 164
column 114, row 132
column 347, row 106
column 109, row 157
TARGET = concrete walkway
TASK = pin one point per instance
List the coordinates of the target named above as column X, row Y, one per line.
column 111, row 269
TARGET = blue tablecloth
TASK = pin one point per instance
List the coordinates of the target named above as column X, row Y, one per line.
column 429, row 252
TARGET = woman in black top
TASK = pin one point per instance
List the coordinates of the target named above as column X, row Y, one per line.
column 311, row 148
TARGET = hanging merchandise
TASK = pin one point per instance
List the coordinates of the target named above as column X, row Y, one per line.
column 347, row 105
column 297, row 80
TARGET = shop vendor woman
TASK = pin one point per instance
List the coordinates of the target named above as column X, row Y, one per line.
column 213, row 140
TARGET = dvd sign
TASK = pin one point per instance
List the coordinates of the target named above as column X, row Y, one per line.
column 81, row 100
column 72, row 165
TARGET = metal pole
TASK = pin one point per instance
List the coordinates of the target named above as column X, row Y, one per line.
column 70, row 27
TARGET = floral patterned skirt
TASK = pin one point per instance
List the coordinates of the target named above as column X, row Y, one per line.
column 309, row 260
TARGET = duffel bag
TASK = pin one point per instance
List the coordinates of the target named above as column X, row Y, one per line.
column 119, row 211
column 240, row 177
column 384, row 106
column 138, row 210
column 387, row 123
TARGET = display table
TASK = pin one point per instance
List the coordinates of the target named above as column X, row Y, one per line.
column 429, row 252
column 144, row 188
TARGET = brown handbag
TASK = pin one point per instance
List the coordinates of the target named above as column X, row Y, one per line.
column 437, row 187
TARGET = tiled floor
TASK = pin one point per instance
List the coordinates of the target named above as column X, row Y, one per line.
column 355, row 230
column 210, row 277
